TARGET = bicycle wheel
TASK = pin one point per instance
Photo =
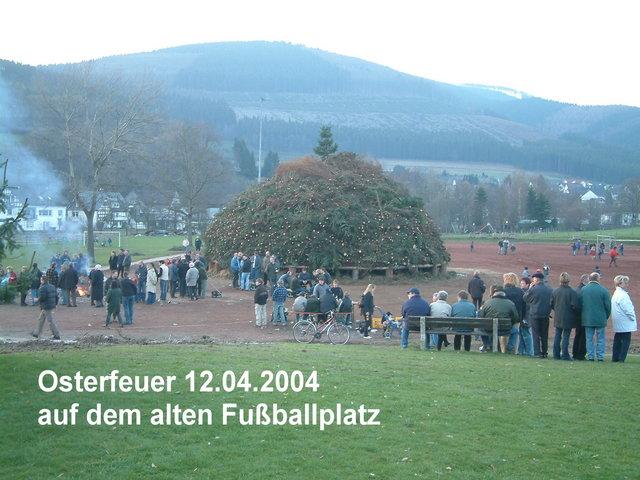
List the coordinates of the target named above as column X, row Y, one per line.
column 338, row 334
column 304, row 331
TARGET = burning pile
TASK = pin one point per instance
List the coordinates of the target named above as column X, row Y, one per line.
column 341, row 211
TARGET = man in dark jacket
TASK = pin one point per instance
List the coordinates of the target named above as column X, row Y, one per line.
column 36, row 275
column 515, row 294
column 579, row 350
column 141, row 286
column 47, row 301
column 414, row 306
column 566, row 310
column 96, row 277
column 69, row 282
column 126, row 262
column 327, row 303
column 498, row 306
column 120, row 264
column 476, row 289
column 538, row 299
column 183, row 266
column 260, row 297
column 129, row 291
column 595, row 304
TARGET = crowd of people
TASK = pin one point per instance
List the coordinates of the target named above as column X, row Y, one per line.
column 119, row 289
column 530, row 303
column 597, row 250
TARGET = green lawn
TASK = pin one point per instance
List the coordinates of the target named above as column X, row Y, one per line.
column 447, row 414
column 140, row 247
column 632, row 233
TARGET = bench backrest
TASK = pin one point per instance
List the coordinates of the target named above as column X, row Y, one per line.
column 460, row 325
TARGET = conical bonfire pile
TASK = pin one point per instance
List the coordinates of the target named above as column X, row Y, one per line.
column 340, row 211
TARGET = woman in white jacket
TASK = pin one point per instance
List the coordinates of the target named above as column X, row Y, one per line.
column 152, row 282
column 624, row 318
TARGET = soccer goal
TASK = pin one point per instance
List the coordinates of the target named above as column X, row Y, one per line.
column 608, row 240
column 102, row 238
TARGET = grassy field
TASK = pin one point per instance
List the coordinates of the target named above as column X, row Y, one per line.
column 447, row 414
column 139, row 247
column 632, row 233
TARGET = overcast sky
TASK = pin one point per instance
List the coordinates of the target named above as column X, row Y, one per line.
column 579, row 51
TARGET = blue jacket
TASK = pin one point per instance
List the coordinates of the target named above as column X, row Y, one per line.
column 235, row 264
column 280, row 295
column 416, row 306
column 463, row 308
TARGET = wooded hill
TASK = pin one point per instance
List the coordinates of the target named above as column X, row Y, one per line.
column 380, row 112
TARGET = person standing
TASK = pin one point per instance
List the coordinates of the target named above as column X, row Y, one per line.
column 256, row 266
column 192, row 281
column 96, row 279
column 185, row 245
column 113, row 261
column 525, row 345
column 440, row 308
column 128, row 298
column 579, row 350
column 260, row 297
column 183, row 266
column 70, row 285
column 36, row 275
column 120, row 263
column 463, row 308
column 613, row 255
column 476, row 288
column 164, row 282
column 538, row 298
column 126, row 262
column 141, row 286
column 624, row 319
column 202, row 279
column 245, row 276
column 321, row 288
column 173, row 278
column 414, row 306
column 279, row 296
column 198, row 244
column 47, row 299
column 516, row 295
column 595, row 303
column 526, row 273
column 272, row 272
column 152, row 282
column 24, row 285
column 235, row 270
column 565, row 304
column 367, row 305
column 114, row 300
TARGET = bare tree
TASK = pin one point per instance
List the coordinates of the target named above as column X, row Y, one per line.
column 94, row 123
column 198, row 172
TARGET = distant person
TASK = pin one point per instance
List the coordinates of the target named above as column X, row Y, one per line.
column 141, row 286
column 120, row 263
column 192, row 281
column 526, row 273
column 114, row 301
column 152, row 282
column 126, row 262
column 235, row 270
column 624, row 319
column 47, row 299
column 525, row 344
column 476, row 289
column 70, row 285
column 613, row 255
column 129, row 291
column 260, row 297
column 621, row 249
column 164, row 281
column 96, row 279
column 595, row 303
column 367, row 305
column 113, row 261
column 36, row 275
column 198, row 244
column 471, row 246
column 514, row 293
column 279, row 297
column 185, row 245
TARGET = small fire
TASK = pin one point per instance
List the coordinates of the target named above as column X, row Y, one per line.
column 82, row 291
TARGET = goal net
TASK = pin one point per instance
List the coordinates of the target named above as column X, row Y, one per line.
column 608, row 240
column 104, row 238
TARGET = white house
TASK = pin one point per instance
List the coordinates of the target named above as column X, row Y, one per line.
column 589, row 195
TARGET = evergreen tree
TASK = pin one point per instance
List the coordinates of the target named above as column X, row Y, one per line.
column 9, row 225
column 532, row 199
column 271, row 162
column 542, row 209
column 326, row 146
column 245, row 159
column 480, row 202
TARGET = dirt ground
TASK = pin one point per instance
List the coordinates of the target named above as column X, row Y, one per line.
column 231, row 318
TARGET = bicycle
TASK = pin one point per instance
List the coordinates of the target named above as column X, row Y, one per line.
column 305, row 331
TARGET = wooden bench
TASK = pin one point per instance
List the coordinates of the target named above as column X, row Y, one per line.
column 496, row 327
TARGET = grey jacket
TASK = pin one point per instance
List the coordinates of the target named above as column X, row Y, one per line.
column 192, row 277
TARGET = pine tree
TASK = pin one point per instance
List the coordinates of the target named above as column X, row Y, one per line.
column 326, row 146
column 532, row 200
column 480, row 207
column 9, row 225
column 271, row 162
column 245, row 159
